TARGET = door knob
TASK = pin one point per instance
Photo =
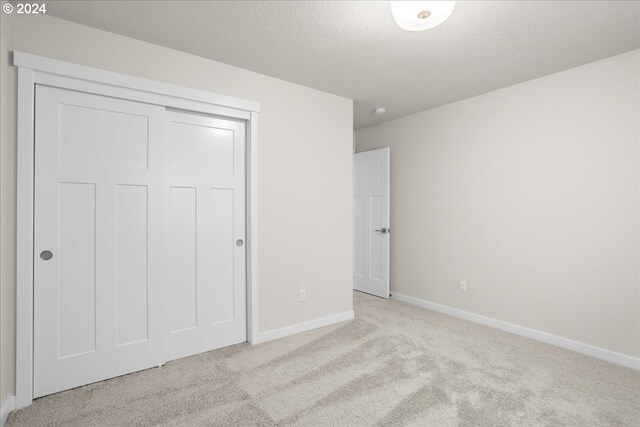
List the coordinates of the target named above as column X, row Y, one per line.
column 239, row 242
column 46, row 255
column 383, row 230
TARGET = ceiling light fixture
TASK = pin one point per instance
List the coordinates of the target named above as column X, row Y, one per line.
column 421, row 15
column 379, row 111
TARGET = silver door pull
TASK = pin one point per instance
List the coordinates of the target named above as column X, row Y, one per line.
column 383, row 230
column 46, row 255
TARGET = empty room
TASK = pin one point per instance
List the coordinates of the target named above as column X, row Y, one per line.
column 319, row 213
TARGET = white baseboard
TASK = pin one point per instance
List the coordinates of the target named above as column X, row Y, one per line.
column 589, row 350
column 8, row 406
column 303, row 327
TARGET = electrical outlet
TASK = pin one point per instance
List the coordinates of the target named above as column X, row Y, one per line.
column 303, row 295
column 463, row 286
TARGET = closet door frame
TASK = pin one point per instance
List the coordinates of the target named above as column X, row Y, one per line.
column 37, row 70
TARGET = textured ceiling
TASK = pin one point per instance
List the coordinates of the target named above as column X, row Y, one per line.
column 354, row 49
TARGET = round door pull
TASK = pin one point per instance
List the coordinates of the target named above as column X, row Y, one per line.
column 46, row 255
column 239, row 242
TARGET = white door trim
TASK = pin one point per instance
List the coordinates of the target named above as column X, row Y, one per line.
column 34, row 70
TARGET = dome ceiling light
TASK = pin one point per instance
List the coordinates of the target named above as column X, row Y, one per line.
column 421, row 15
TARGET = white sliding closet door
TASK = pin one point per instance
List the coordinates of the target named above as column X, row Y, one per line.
column 205, row 255
column 98, row 229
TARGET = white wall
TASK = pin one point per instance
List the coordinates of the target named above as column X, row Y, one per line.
column 305, row 171
column 529, row 193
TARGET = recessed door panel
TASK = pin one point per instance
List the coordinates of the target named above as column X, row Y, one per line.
column 377, row 237
column 181, row 259
column 222, row 249
column 76, row 326
column 95, row 136
column 359, row 235
column 132, row 236
column 201, row 148
column 367, row 173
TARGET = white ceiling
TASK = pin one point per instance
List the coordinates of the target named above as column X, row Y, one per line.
column 355, row 49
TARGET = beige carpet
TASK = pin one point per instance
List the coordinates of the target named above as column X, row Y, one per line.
column 394, row 365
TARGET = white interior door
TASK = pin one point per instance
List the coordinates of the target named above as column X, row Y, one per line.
column 371, row 222
column 205, row 261
column 97, row 238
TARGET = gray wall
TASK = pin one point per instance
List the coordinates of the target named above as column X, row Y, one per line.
column 530, row 194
